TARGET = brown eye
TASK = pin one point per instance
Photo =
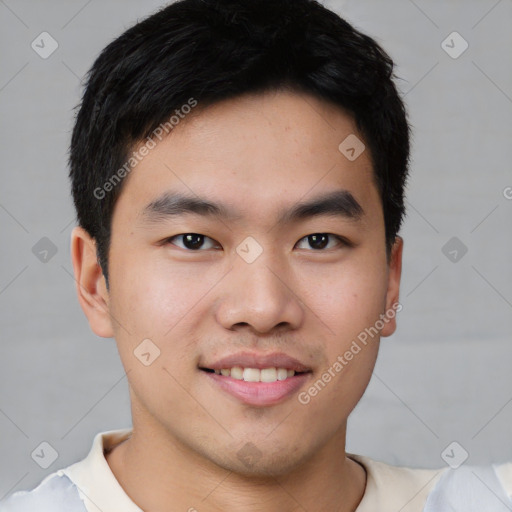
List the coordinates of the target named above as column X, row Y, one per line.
column 319, row 241
column 191, row 241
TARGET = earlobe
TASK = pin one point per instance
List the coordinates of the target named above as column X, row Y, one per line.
column 393, row 293
column 90, row 283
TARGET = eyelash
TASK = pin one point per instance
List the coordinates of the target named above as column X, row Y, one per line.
column 342, row 241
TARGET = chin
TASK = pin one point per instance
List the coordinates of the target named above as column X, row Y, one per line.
column 249, row 461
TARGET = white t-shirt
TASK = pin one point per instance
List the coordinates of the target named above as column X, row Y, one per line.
column 92, row 487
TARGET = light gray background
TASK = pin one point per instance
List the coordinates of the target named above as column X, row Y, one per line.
column 446, row 373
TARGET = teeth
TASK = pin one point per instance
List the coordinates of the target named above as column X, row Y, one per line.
column 251, row 375
column 282, row 373
column 236, row 372
column 255, row 374
column 268, row 375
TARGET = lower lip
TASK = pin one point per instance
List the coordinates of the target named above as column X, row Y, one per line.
column 259, row 393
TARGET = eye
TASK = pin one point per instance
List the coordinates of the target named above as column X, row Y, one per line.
column 320, row 240
column 191, row 241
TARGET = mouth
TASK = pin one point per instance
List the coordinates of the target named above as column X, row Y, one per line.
column 257, row 379
column 256, row 374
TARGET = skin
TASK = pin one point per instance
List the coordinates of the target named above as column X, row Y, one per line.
column 256, row 154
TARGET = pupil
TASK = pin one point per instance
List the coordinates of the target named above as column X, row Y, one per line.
column 318, row 241
column 193, row 241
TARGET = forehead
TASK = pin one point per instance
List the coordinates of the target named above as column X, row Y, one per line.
column 255, row 153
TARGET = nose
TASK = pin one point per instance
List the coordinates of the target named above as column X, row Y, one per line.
column 259, row 296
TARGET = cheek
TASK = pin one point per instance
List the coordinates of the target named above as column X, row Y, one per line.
column 348, row 299
column 152, row 295
column 152, row 307
column 349, row 302
column 164, row 302
column 350, row 311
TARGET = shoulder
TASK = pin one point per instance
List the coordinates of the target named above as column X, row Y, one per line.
column 56, row 493
column 504, row 472
column 468, row 488
column 391, row 488
column 472, row 488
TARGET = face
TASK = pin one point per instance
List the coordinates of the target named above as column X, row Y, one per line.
column 256, row 279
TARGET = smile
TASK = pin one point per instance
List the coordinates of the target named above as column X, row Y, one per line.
column 257, row 387
column 255, row 374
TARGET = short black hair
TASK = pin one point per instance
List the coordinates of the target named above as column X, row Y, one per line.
column 211, row 50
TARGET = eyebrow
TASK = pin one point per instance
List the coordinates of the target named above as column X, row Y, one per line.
column 338, row 203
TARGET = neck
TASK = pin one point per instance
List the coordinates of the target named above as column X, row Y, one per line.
column 156, row 469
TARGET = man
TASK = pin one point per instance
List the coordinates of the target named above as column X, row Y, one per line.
column 238, row 170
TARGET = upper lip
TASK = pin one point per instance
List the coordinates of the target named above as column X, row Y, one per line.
column 254, row 360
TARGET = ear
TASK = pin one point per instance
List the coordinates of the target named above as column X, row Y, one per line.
column 393, row 293
column 90, row 283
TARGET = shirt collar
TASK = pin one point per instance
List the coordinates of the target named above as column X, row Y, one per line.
column 101, row 492
column 97, row 485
